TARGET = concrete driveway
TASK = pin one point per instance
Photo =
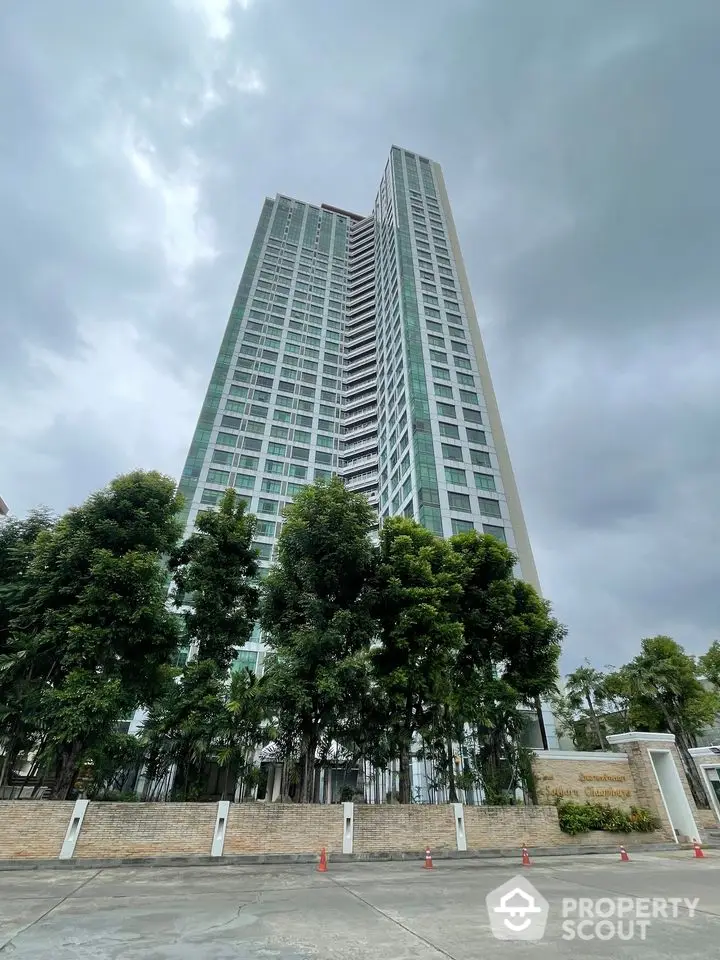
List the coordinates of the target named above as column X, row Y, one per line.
column 394, row 911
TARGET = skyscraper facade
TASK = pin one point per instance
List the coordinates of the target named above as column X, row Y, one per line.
column 353, row 348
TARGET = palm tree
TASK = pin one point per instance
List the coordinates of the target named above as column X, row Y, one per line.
column 584, row 690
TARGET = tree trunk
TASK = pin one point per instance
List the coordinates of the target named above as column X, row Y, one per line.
column 9, row 757
column 360, row 782
column 595, row 721
column 7, row 764
column 307, row 782
column 691, row 772
column 69, row 769
column 452, row 789
column 404, row 777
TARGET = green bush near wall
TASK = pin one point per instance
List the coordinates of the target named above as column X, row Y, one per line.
column 582, row 817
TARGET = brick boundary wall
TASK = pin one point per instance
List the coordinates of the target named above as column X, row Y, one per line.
column 146, row 830
column 403, row 828
column 283, row 828
column 33, row 829
column 134, row 831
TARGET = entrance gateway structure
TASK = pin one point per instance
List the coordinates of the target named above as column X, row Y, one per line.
column 643, row 770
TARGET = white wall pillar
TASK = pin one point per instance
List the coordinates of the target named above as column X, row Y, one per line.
column 348, row 826
column 67, row 850
column 460, row 837
column 218, row 841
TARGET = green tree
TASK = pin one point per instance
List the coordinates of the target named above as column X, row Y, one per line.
column 584, row 688
column 214, row 571
column 192, row 724
column 18, row 670
column 317, row 622
column 710, row 664
column 180, row 731
column 416, row 591
column 663, row 683
column 509, row 652
column 92, row 616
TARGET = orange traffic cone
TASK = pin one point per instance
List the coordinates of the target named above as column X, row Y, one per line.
column 624, row 855
column 428, row 865
column 698, row 851
column 322, row 866
column 525, row 857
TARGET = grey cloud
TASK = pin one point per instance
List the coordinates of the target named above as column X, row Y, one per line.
column 580, row 148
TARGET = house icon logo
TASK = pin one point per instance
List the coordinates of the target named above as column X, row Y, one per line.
column 517, row 911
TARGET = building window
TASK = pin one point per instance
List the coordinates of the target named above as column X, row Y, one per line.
column 476, row 436
column 489, row 508
column 446, row 410
column 493, row 531
column 218, row 476
column 449, row 430
column 245, row 660
column 485, row 481
column 459, row 501
column 456, row 476
column 264, row 550
column 244, row 481
column 265, row 528
column 472, row 416
column 270, row 486
column 268, row 506
column 451, row 452
column 462, row 526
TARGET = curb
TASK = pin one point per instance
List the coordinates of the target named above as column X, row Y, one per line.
column 500, row 853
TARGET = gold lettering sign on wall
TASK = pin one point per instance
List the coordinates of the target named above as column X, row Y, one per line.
column 608, row 792
column 603, row 777
column 572, row 784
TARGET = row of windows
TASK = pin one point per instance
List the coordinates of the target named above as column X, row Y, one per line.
column 465, row 526
column 279, row 432
column 276, row 468
column 458, row 477
column 246, row 481
column 248, row 462
column 300, row 387
column 276, row 324
column 462, row 502
column 255, row 445
column 275, row 249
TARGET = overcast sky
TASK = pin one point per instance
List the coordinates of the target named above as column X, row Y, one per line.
column 581, row 148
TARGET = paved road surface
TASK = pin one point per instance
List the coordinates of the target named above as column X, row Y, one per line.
column 357, row 911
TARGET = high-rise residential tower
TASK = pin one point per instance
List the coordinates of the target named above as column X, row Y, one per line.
column 353, row 348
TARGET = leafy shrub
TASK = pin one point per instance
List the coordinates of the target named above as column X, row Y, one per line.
column 581, row 817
